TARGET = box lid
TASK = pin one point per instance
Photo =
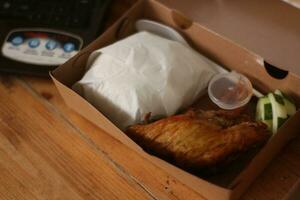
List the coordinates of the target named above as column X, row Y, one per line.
column 269, row 28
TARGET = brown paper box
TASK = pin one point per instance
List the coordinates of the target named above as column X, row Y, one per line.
column 220, row 49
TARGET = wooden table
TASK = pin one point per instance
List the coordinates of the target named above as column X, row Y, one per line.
column 47, row 151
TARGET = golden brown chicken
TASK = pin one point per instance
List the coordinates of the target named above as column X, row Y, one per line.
column 199, row 139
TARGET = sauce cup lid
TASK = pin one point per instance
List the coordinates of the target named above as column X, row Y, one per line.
column 230, row 90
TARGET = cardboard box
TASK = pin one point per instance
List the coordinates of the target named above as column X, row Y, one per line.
column 217, row 47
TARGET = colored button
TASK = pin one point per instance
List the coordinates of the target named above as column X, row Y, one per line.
column 16, row 41
column 33, row 43
column 51, row 44
column 69, row 47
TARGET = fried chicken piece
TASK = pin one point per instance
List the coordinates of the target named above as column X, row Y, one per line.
column 199, row 139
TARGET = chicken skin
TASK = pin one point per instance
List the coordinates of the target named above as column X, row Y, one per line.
column 200, row 139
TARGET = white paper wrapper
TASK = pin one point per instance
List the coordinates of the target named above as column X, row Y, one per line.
column 144, row 73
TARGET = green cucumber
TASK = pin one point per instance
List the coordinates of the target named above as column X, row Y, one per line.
column 264, row 111
column 279, row 111
column 274, row 109
column 289, row 104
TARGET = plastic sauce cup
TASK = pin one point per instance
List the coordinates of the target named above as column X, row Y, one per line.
column 230, row 90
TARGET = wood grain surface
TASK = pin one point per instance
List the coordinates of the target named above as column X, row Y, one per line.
column 42, row 156
column 47, row 151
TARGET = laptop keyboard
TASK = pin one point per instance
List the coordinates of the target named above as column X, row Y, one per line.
column 63, row 13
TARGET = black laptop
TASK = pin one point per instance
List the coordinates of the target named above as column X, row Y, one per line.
column 38, row 35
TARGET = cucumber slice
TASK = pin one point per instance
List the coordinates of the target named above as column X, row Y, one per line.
column 274, row 109
column 289, row 104
column 260, row 107
column 268, row 114
column 278, row 111
column 264, row 111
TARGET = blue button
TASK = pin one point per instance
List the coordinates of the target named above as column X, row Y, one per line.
column 69, row 47
column 16, row 41
column 33, row 43
column 51, row 44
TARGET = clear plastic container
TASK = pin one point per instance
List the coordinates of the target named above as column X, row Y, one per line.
column 230, row 90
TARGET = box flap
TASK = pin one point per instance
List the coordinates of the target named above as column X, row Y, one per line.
column 269, row 28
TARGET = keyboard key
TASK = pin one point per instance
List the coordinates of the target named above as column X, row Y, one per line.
column 61, row 13
column 23, row 8
column 41, row 18
column 69, row 47
column 76, row 22
column 33, row 43
column 61, row 9
column 57, row 20
column 51, row 44
column 6, row 5
column 16, row 41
